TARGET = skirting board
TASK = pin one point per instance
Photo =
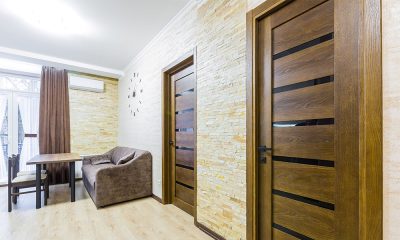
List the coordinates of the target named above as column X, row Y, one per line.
column 203, row 228
column 208, row 231
column 156, row 198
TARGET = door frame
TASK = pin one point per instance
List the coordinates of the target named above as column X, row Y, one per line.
column 184, row 61
column 361, row 89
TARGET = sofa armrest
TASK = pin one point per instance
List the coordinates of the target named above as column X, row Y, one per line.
column 87, row 159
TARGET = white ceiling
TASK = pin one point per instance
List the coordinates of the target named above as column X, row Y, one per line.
column 117, row 30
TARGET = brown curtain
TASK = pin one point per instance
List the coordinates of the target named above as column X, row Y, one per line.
column 54, row 128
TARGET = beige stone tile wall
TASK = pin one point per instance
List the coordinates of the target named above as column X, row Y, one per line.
column 94, row 119
column 221, row 167
column 391, row 119
column 253, row 3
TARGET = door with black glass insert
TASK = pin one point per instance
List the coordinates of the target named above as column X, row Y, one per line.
column 296, row 137
column 183, row 138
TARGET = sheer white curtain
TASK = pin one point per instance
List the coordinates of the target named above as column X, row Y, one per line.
column 29, row 109
column 3, row 165
column 22, row 94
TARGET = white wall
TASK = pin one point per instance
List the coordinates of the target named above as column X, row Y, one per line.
column 144, row 130
column 253, row 4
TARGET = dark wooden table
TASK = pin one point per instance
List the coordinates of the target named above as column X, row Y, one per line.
column 43, row 159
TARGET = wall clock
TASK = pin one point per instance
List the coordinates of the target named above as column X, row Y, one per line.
column 135, row 91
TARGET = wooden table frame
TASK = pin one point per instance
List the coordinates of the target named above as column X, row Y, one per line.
column 43, row 159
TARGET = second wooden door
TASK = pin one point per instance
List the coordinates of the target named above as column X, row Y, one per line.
column 183, row 144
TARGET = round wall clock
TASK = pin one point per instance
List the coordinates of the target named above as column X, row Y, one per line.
column 135, row 91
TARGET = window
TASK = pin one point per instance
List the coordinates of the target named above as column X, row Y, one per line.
column 19, row 83
column 19, row 120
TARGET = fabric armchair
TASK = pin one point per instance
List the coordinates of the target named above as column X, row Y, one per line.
column 116, row 181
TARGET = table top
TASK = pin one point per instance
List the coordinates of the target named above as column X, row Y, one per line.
column 54, row 158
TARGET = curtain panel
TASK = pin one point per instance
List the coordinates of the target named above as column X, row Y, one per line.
column 54, row 120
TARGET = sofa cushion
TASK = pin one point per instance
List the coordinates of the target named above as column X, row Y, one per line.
column 100, row 161
column 126, row 158
column 120, row 153
column 90, row 171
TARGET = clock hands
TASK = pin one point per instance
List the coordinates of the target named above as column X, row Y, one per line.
column 134, row 91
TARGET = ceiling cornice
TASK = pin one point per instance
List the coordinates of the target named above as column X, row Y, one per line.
column 60, row 63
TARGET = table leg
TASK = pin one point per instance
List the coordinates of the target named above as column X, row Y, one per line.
column 72, row 181
column 69, row 177
column 38, row 183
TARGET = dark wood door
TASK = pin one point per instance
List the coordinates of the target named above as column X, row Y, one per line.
column 296, row 122
column 183, row 142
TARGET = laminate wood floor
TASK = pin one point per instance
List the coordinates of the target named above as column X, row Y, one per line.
column 141, row 219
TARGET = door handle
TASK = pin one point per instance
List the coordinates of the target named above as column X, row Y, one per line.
column 171, row 142
column 261, row 151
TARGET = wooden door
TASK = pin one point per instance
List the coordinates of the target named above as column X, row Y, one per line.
column 296, row 123
column 183, row 142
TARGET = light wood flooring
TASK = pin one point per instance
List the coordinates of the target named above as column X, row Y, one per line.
column 135, row 220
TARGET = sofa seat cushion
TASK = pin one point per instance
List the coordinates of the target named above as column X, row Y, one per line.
column 90, row 171
column 122, row 153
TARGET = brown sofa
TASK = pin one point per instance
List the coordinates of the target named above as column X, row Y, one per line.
column 119, row 175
